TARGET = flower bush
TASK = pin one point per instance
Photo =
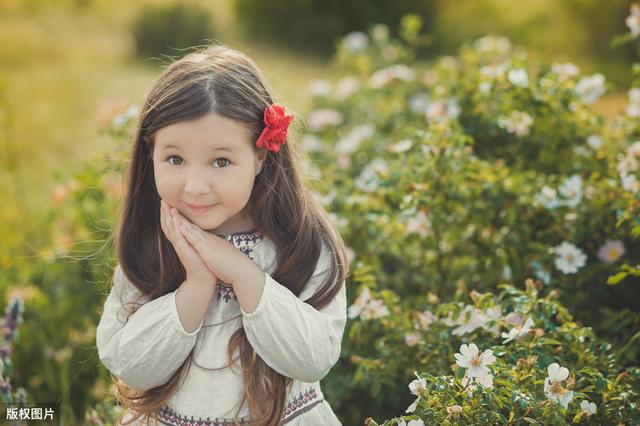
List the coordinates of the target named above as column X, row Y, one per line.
column 458, row 176
column 544, row 373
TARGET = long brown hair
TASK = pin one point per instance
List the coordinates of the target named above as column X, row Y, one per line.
column 226, row 82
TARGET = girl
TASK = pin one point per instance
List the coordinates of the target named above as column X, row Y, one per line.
column 228, row 303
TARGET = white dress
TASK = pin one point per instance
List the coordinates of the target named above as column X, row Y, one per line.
column 291, row 336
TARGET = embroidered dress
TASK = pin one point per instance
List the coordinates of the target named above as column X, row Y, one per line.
column 291, row 336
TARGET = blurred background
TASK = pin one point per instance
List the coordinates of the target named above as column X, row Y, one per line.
column 68, row 68
column 62, row 60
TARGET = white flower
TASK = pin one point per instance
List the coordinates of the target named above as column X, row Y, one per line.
column 633, row 109
column 375, row 309
column 356, row 41
column 491, row 317
column 360, row 302
column 419, row 224
column 413, row 406
column 400, row 147
column 588, row 407
column 630, row 183
column 426, row 318
column 571, row 189
column 519, row 331
column 595, row 141
column 366, row 307
column 591, row 88
column 346, row 87
column 633, row 20
column 553, row 387
column 320, row 88
column 322, row 118
column 442, row 109
column 518, row 123
column 565, row 71
column 411, row 339
column 494, row 70
column 628, row 166
column 395, row 72
column 368, row 179
column 492, row 43
column 474, row 361
column 469, row 320
column 518, row 77
column 485, row 87
column 548, row 197
column 418, row 385
column 569, row 258
column 418, row 103
column 611, row 251
column 356, row 136
column 471, row 383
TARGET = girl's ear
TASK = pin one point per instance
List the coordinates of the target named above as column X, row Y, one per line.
column 260, row 157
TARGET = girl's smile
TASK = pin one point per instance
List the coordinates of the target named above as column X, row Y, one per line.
column 201, row 208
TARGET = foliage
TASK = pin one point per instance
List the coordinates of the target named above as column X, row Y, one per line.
column 513, row 389
column 479, row 169
column 317, row 24
column 165, row 29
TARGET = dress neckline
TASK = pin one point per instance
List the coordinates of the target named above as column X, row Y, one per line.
column 245, row 238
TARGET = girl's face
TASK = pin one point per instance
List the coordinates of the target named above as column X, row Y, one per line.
column 206, row 168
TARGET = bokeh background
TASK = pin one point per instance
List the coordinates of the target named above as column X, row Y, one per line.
column 73, row 73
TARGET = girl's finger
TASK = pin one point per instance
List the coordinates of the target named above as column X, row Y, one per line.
column 180, row 240
column 194, row 236
column 165, row 221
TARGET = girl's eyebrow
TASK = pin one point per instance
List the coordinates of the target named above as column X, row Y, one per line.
column 221, row 148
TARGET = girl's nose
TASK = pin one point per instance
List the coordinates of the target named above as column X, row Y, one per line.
column 196, row 184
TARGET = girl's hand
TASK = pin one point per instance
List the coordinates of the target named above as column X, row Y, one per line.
column 220, row 256
column 196, row 268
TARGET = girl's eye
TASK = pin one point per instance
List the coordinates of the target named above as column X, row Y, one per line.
column 173, row 156
column 217, row 162
column 220, row 162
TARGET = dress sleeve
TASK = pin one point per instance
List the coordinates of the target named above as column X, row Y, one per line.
column 147, row 348
column 291, row 336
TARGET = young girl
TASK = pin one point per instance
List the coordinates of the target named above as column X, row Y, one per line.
column 228, row 303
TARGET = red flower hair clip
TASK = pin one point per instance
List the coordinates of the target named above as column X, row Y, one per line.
column 276, row 123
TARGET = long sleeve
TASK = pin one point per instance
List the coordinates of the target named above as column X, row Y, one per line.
column 291, row 336
column 148, row 348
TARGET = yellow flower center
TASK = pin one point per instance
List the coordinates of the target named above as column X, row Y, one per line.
column 557, row 388
column 475, row 361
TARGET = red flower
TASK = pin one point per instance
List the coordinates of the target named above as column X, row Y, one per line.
column 276, row 125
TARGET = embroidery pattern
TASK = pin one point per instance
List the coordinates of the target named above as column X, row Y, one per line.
column 224, row 291
column 299, row 405
column 244, row 241
column 169, row 417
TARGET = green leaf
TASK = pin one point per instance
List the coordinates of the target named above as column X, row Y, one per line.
column 617, row 278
